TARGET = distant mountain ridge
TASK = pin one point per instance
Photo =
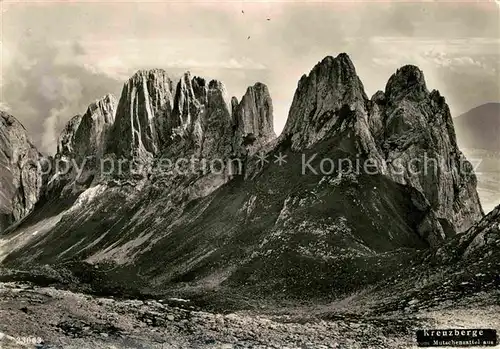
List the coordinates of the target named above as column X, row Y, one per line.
column 479, row 128
column 268, row 227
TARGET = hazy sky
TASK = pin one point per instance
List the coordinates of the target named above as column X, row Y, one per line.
column 58, row 57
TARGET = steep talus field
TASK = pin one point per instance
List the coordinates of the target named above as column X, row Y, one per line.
column 295, row 230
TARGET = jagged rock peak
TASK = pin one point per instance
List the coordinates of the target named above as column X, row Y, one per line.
column 216, row 85
column 81, row 144
column 202, row 118
column 148, row 74
column 417, row 125
column 342, row 61
column 254, row 113
column 65, row 142
column 90, row 137
column 143, row 114
column 186, row 102
column 253, row 119
column 105, row 107
column 407, row 82
column 339, row 68
column 332, row 86
column 194, row 94
column 218, row 91
column 378, row 97
column 395, row 128
column 85, row 135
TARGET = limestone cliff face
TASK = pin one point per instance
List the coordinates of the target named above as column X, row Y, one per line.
column 155, row 119
column 331, row 90
column 143, row 113
column 20, row 180
column 331, row 102
column 81, row 145
column 307, row 229
column 90, row 136
column 420, row 147
column 253, row 119
column 400, row 129
column 186, row 125
column 86, row 136
column 202, row 115
column 217, row 122
column 65, row 143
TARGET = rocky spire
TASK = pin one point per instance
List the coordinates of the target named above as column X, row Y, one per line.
column 198, row 118
column 144, row 112
column 65, row 143
column 331, row 87
column 253, row 119
column 407, row 83
column 20, row 180
column 331, row 102
column 420, row 146
column 186, row 130
column 212, row 124
column 217, row 122
column 400, row 129
column 90, row 136
column 81, row 145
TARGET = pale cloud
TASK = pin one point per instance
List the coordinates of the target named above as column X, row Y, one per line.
column 444, row 60
column 4, row 106
column 125, row 55
column 43, row 89
column 435, row 52
column 232, row 63
column 112, row 66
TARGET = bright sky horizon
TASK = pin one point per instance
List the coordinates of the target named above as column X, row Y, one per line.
column 59, row 57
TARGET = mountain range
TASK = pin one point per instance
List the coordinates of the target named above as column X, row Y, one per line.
column 248, row 223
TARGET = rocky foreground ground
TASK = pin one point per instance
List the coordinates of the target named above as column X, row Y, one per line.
column 45, row 317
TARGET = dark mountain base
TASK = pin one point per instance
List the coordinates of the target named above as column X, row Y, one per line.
column 320, row 238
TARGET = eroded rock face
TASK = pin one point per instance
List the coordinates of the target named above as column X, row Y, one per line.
column 142, row 115
column 155, row 122
column 399, row 129
column 253, row 119
column 306, row 229
column 331, row 90
column 203, row 118
column 484, row 237
column 66, row 140
column 90, row 136
column 20, row 180
column 186, row 128
column 217, row 122
column 331, row 102
column 196, row 117
column 81, row 145
column 420, row 148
